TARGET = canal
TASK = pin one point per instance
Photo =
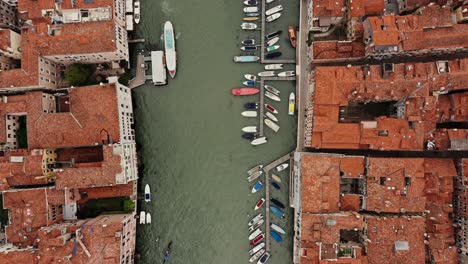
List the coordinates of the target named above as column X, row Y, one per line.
column 189, row 136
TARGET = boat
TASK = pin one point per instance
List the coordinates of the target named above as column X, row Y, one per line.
column 249, row 113
column 276, row 66
column 273, row 34
column 276, row 211
column 271, row 89
column 256, row 168
column 277, row 203
column 257, row 255
column 266, row 74
column 259, row 141
column 286, row 74
column 273, row 10
column 276, row 236
column 250, row 2
column 278, row 229
column 292, row 103
column 256, row 248
column 276, row 185
column 255, row 233
column 276, row 178
column 272, row 41
column 248, row 48
column 272, row 48
column 245, row 91
column 250, row 106
column 271, row 109
column 272, row 55
column 250, row 77
column 167, row 252
column 259, row 204
column 250, row 136
column 251, row 129
column 246, row 58
column 271, row 116
column 257, row 239
column 271, row 125
column 247, row 42
column 273, row 17
column 249, row 83
column 251, row 9
column 255, row 219
column 169, row 45
column 257, row 225
column 147, row 193
column 148, row 218
column 282, row 167
column 248, row 26
column 254, row 175
column 250, row 18
column 255, row 14
column 292, row 36
column 257, row 187
column 269, row 1
column 142, row 217
column 272, row 96
column 136, row 11
column 264, row 258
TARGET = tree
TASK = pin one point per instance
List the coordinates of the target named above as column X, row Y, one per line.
column 78, row 74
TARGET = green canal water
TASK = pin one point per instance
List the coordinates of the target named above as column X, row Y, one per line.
column 189, row 136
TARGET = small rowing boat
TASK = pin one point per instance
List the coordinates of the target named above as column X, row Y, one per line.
column 276, row 211
column 272, row 96
column 276, row 178
column 272, row 48
column 286, row 74
column 247, row 42
column 255, row 233
column 257, row 239
column 257, row 225
column 148, row 218
column 271, row 125
column 271, row 116
column 259, row 204
column 250, row 18
column 251, row 9
column 271, row 89
column 142, row 217
column 249, row 129
column 266, row 74
column 273, row 10
column 249, row 113
column 276, row 66
column 254, row 175
column 271, row 109
column 282, row 167
column 258, row 186
column 272, row 41
column 292, row 36
column 244, row 91
column 273, row 34
column 278, row 229
column 276, row 236
column 257, row 255
column 256, row 249
column 249, row 83
column 248, row 26
column 250, row 77
column 259, row 141
column 273, row 17
column 255, row 219
column 246, row 58
column 250, row 106
column 273, row 55
column 264, row 258
column 256, row 168
column 292, row 103
column 277, row 203
column 276, row 185
column 249, row 48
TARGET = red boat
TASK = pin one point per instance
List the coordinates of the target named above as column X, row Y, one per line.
column 271, row 108
column 245, row 91
column 257, row 240
column 259, row 203
column 292, row 36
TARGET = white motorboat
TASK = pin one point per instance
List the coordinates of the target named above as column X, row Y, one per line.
column 249, row 113
column 256, row 248
column 273, row 17
column 148, row 218
column 250, row 77
column 254, row 169
column 142, row 217
column 136, row 11
column 286, row 74
column 273, row 66
column 249, row 129
column 264, row 258
column 255, row 233
column 251, row 9
column 147, row 193
column 259, row 141
column 257, row 225
column 282, row 167
column 271, row 89
column 273, row 10
column 292, row 103
column 257, row 255
column 248, row 26
column 170, row 51
column 272, row 41
column 271, row 125
column 272, row 96
column 269, row 1
column 278, row 229
column 271, row 116
column 255, row 219
column 266, row 74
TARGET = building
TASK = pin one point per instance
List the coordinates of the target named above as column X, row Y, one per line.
column 10, row 49
column 405, row 106
column 8, row 15
column 460, row 202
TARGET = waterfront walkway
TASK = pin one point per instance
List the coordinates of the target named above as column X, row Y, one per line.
column 267, row 169
column 140, row 76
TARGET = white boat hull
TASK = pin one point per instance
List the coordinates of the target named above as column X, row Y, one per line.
column 278, row 229
column 272, row 96
column 256, row 248
column 259, row 141
column 255, row 233
column 273, row 17
column 148, row 218
column 136, row 11
column 142, row 217
column 282, row 167
column 169, row 45
column 273, row 66
column 250, row 77
column 272, row 41
column 147, row 193
column 286, row 74
column 271, row 116
column 250, row 129
column 273, row 10
column 271, row 125
column 249, row 113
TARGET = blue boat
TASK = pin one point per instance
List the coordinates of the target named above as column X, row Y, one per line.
column 250, row 105
column 276, row 185
column 249, row 83
column 247, row 58
column 257, row 187
column 276, row 211
column 276, row 236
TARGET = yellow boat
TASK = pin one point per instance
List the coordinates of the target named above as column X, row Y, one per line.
column 292, row 102
column 250, row 18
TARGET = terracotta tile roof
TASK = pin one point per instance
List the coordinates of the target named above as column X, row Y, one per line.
column 384, row 29
column 360, row 8
column 18, row 256
column 326, row 50
column 328, row 8
column 21, row 173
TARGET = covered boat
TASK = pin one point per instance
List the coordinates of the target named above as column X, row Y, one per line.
column 277, row 203
column 247, row 58
column 292, row 36
column 272, row 48
column 273, row 55
column 276, row 236
column 250, row 18
column 249, row 83
column 142, row 217
column 276, row 178
column 271, row 109
column 292, row 103
column 169, row 46
column 257, row 239
column 247, row 42
column 276, row 211
column 148, row 218
column 276, row 185
column 273, row 34
column 248, row 26
column 244, row 91
column 249, row 136
column 278, row 229
column 271, row 116
column 250, row 106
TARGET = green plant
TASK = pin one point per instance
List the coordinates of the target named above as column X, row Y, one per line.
column 78, row 74
column 125, row 78
column 128, row 206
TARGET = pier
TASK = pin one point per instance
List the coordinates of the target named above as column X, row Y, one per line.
column 140, row 75
column 267, row 169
